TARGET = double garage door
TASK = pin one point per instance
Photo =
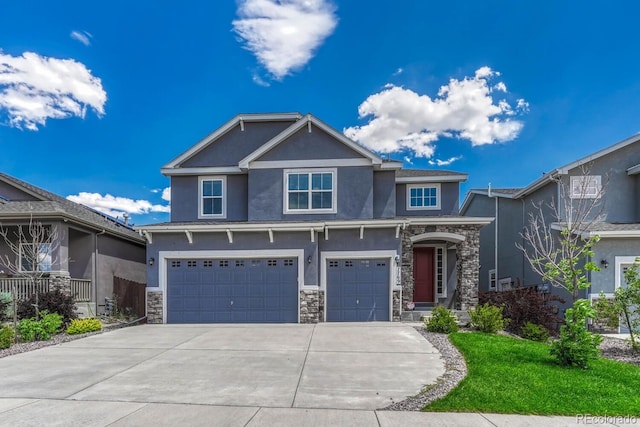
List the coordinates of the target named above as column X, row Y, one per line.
column 265, row 290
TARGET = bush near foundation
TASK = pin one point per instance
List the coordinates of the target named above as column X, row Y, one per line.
column 82, row 326
column 7, row 336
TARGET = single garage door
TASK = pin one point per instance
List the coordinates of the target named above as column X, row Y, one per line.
column 232, row 290
column 357, row 290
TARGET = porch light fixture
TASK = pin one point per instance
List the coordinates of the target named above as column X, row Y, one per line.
column 309, row 259
column 152, row 261
column 604, row 263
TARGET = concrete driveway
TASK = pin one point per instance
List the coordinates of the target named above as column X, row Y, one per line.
column 330, row 366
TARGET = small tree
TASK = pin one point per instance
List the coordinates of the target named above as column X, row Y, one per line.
column 31, row 255
column 554, row 239
column 559, row 247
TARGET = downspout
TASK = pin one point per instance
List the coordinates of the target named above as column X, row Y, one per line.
column 95, row 268
column 522, row 263
column 495, row 243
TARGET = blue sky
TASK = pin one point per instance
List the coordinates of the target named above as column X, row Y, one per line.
column 96, row 96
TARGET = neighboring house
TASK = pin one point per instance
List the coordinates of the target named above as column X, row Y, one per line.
column 281, row 218
column 91, row 249
column 617, row 168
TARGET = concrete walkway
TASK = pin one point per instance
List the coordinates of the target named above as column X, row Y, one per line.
column 228, row 375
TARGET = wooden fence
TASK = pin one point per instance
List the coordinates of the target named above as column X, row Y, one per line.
column 130, row 296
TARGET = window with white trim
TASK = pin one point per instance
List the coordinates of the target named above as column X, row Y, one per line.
column 586, row 187
column 35, row 257
column 423, row 196
column 310, row 191
column 492, row 280
column 212, row 197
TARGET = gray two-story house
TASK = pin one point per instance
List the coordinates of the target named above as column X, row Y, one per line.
column 281, row 218
column 610, row 176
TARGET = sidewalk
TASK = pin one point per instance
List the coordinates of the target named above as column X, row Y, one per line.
column 32, row 412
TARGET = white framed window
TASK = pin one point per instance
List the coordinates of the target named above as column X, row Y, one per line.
column 35, row 257
column 212, row 200
column 492, row 280
column 586, row 187
column 423, row 196
column 310, row 191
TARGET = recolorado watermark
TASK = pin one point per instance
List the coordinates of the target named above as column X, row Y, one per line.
column 606, row 419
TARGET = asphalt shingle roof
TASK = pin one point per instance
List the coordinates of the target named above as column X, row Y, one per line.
column 55, row 205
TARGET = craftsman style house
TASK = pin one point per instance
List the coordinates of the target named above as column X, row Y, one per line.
column 611, row 175
column 83, row 252
column 281, row 218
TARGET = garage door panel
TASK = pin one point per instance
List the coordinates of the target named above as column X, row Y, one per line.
column 357, row 290
column 232, row 290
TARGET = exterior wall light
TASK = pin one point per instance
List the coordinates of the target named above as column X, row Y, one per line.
column 309, row 259
column 152, row 261
column 604, row 263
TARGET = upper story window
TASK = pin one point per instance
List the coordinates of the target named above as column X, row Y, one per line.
column 212, row 201
column 423, row 196
column 586, row 187
column 35, row 257
column 310, row 191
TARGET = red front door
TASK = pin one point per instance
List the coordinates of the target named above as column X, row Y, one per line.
column 423, row 274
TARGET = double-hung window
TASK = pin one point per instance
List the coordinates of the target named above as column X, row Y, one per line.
column 423, row 196
column 310, row 191
column 212, row 197
column 35, row 257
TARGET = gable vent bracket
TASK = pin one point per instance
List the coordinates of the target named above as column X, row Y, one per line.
column 397, row 231
column 270, row 235
column 361, row 232
column 313, row 235
column 148, row 236
column 241, row 125
column 326, row 233
column 189, row 236
column 230, row 235
column 309, row 125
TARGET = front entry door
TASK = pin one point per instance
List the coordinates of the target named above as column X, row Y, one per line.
column 423, row 274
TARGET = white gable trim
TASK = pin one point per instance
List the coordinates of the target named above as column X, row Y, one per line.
column 433, row 178
column 312, row 163
column 307, row 120
column 447, row 237
column 224, row 129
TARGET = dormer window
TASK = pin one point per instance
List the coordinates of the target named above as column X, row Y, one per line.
column 423, row 196
column 310, row 191
column 212, row 197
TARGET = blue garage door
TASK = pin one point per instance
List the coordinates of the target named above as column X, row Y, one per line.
column 357, row 290
column 232, row 290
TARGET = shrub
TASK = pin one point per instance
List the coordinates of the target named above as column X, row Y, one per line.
column 576, row 345
column 441, row 321
column 522, row 305
column 29, row 330
column 533, row 332
column 32, row 329
column 5, row 306
column 7, row 336
column 54, row 301
column 81, row 326
column 488, row 318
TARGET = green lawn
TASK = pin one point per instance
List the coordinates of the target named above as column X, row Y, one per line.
column 512, row 376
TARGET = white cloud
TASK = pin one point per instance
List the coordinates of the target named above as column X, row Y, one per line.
column 408, row 159
column 117, row 206
column 401, row 119
column 83, row 37
column 35, row 88
column 439, row 162
column 166, row 194
column 284, row 34
column 398, row 72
